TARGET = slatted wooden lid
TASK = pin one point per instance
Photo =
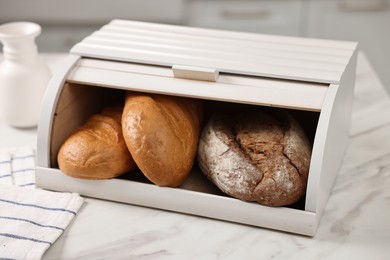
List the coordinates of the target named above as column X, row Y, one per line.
column 280, row 57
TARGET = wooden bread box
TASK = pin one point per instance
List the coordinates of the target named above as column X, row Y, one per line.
column 312, row 78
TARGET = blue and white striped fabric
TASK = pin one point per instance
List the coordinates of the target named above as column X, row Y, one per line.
column 31, row 219
column 17, row 167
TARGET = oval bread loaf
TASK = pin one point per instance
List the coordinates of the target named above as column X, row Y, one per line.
column 161, row 133
column 97, row 150
column 256, row 156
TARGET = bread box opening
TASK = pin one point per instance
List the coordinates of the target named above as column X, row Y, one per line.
column 77, row 102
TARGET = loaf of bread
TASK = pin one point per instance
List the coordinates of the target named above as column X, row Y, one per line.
column 257, row 155
column 161, row 133
column 97, row 150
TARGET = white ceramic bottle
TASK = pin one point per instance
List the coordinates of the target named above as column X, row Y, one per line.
column 23, row 75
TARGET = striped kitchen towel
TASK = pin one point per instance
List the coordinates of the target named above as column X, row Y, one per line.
column 17, row 167
column 31, row 219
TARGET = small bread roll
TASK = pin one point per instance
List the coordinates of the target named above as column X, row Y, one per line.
column 161, row 133
column 256, row 156
column 97, row 150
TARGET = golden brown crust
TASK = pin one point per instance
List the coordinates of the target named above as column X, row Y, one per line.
column 97, row 149
column 161, row 133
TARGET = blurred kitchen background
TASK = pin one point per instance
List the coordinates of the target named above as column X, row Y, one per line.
column 66, row 22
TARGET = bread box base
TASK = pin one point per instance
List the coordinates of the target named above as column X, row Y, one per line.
column 313, row 79
column 184, row 201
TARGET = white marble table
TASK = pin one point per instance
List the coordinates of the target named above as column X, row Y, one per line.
column 355, row 224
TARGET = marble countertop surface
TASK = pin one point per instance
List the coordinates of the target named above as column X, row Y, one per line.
column 355, row 223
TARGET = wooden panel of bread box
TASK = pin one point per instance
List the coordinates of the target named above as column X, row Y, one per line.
column 75, row 105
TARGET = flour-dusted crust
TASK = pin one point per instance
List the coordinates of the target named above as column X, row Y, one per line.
column 259, row 155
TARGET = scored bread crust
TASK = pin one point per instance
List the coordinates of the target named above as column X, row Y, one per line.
column 161, row 133
column 256, row 156
column 97, row 149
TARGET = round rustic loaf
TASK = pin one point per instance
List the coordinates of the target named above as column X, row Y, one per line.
column 256, row 155
column 97, row 149
column 161, row 133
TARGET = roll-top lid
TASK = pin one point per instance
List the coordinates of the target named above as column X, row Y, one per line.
column 279, row 57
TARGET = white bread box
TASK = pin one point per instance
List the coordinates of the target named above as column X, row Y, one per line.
column 312, row 78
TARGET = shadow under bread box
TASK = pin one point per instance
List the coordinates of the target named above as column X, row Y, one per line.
column 311, row 78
